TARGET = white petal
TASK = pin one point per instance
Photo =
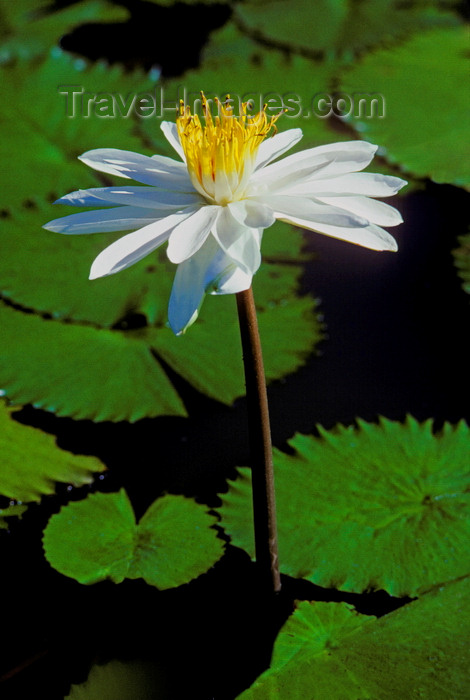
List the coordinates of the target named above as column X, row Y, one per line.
column 189, row 236
column 252, row 213
column 232, row 280
column 189, row 288
column 223, row 276
column 170, row 131
column 371, row 236
column 319, row 162
column 376, row 212
column 275, row 146
column 158, row 171
column 83, row 198
column 102, row 220
column 147, row 197
column 313, row 211
column 371, row 184
column 136, row 245
column 240, row 243
column 208, row 270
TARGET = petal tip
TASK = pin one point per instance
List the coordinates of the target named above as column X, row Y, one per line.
column 54, row 226
column 178, row 328
column 97, row 270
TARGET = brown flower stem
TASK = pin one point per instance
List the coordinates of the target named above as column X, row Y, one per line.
column 264, row 504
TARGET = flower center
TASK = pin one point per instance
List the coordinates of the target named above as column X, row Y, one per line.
column 220, row 155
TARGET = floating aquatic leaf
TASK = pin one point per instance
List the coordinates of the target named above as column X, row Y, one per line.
column 48, row 272
column 236, row 65
column 48, row 126
column 426, row 128
column 31, row 462
column 175, row 542
column 80, row 371
column 29, row 28
column 107, row 363
column 124, row 680
column 98, row 538
column 15, row 510
column 382, row 507
column 340, row 28
column 330, row 652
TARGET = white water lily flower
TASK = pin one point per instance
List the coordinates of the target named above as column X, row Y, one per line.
column 213, row 206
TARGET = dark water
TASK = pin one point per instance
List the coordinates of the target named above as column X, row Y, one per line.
column 397, row 323
column 397, row 343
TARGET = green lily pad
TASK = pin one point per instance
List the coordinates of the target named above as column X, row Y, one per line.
column 32, row 463
column 234, row 64
column 330, row 652
column 426, row 128
column 339, row 28
column 48, row 127
column 124, row 680
column 80, row 371
column 48, row 272
column 98, row 538
column 382, row 507
column 13, row 511
column 94, row 349
column 85, row 372
column 29, row 28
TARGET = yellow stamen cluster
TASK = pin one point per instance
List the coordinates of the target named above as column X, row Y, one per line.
column 221, row 152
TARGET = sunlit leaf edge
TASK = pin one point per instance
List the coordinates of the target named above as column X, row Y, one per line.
column 340, row 30
column 98, row 538
column 365, row 525
column 283, row 316
column 420, row 650
column 32, row 463
column 31, row 28
column 435, row 142
column 44, row 143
